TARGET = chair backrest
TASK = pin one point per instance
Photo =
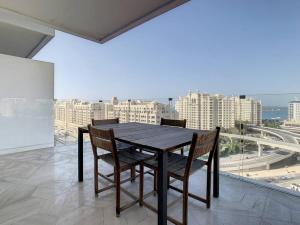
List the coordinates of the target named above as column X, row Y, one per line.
column 104, row 139
column 203, row 144
column 105, row 122
column 173, row 123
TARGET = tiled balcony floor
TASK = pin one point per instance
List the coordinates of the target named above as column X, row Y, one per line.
column 40, row 187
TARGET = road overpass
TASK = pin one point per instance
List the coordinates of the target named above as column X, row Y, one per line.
column 261, row 141
column 285, row 136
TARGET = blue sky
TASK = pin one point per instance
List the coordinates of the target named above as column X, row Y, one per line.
column 215, row 46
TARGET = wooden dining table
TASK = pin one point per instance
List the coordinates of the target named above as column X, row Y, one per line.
column 161, row 139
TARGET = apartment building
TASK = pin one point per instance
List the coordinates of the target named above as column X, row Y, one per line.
column 226, row 111
column 248, row 110
column 206, row 111
column 197, row 109
column 293, row 121
column 69, row 115
column 149, row 112
column 294, row 111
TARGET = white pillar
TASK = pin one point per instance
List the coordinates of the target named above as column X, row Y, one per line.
column 260, row 149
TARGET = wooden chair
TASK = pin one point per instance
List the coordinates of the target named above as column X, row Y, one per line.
column 174, row 123
column 121, row 161
column 120, row 145
column 181, row 167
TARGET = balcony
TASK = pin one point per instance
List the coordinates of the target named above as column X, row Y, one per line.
column 40, row 187
column 260, row 133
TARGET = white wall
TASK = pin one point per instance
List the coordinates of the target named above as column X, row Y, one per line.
column 26, row 104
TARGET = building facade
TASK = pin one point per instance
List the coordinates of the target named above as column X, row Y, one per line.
column 248, row 110
column 69, row 115
column 149, row 112
column 197, row 109
column 206, row 111
column 294, row 111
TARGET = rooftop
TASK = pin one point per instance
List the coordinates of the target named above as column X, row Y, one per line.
column 41, row 187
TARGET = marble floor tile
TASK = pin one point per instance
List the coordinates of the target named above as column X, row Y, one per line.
column 40, row 188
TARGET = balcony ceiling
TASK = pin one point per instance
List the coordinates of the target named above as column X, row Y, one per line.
column 97, row 20
column 21, row 36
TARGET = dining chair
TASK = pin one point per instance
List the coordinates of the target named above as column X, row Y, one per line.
column 182, row 167
column 121, row 161
column 174, row 123
column 120, row 145
column 171, row 123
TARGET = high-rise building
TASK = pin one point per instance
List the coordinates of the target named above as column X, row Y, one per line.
column 293, row 121
column 226, row 111
column 69, row 115
column 248, row 110
column 197, row 109
column 206, row 111
column 294, row 111
column 149, row 112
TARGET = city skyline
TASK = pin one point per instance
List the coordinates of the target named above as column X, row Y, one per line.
column 237, row 54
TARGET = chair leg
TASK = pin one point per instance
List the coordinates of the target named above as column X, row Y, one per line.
column 96, row 176
column 185, row 202
column 181, row 151
column 133, row 174
column 169, row 180
column 118, row 192
column 208, row 186
column 141, row 198
column 115, row 176
column 155, row 182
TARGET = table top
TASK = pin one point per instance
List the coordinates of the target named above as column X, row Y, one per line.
column 155, row 137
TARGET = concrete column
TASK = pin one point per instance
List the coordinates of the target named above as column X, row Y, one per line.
column 260, row 149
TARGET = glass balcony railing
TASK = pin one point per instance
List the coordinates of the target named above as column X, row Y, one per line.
column 270, row 150
column 260, row 134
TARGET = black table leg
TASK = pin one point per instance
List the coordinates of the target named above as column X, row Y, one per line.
column 80, row 155
column 216, row 172
column 162, row 187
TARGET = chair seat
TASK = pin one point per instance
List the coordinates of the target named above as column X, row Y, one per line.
column 176, row 164
column 123, row 146
column 127, row 157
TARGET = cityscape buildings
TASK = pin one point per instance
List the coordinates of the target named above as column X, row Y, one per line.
column 139, row 111
column 202, row 111
column 206, row 111
column 69, row 115
column 248, row 110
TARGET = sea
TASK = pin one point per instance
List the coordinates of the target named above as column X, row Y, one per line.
column 274, row 113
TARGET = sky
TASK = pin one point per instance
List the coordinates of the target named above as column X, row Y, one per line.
column 231, row 47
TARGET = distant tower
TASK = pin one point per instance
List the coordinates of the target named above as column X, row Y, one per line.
column 114, row 101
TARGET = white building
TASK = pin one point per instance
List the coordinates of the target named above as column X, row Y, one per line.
column 149, row 112
column 206, row 111
column 226, row 111
column 69, row 115
column 197, row 109
column 248, row 110
column 294, row 111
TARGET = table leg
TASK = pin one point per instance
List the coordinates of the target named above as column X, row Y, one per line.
column 80, row 155
column 216, row 172
column 162, row 187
